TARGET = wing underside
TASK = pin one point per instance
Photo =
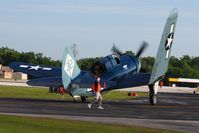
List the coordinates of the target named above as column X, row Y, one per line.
column 133, row 81
column 47, row 82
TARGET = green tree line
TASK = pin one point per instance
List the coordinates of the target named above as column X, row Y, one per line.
column 8, row 55
column 185, row 67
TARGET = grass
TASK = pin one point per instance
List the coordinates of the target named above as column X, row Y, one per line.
column 122, row 95
column 42, row 93
column 29, row 92
column 16, row 124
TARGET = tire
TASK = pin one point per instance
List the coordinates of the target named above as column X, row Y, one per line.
column 75, row 101
column 50, row 90
column 83, row 99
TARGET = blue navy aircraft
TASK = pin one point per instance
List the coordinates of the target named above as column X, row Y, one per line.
column 116, row 71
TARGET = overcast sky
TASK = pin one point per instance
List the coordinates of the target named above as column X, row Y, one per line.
column 47, row 26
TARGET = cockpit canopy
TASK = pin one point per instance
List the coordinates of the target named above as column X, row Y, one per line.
column 106, row 64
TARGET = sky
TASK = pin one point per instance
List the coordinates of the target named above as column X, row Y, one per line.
column 47, row 26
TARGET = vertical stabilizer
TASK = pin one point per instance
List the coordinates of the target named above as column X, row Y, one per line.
column 70, row 69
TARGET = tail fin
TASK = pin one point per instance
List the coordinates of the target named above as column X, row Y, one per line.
column 163, row 55
column 70, row 69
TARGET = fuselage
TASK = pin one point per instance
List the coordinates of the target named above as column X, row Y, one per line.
column 111, row 68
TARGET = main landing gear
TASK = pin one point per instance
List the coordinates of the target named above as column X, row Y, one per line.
column 152, row 95
column 83, row 99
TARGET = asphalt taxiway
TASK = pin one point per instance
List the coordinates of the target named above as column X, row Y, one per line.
column 173, row 111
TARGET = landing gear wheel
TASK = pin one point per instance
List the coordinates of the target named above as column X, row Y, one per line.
column 83, row 99
column 50, row 90
column 152, row 98
column 75, row 100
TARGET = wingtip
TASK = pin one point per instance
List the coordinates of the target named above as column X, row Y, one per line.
column 174, row 11
column 173, row 14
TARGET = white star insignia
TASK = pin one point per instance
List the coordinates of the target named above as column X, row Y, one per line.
column 169, row 42
column 34, row 67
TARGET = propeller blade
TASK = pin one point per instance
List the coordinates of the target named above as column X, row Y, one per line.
column 141, row 49
column 116, row 50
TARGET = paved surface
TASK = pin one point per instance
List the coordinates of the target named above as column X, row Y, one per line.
column 173, row 111
column 164, row 89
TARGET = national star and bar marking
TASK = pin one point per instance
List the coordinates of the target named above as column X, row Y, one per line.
column 37, row 67
column 169, row 41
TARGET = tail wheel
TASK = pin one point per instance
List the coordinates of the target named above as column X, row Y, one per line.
column 83, row 99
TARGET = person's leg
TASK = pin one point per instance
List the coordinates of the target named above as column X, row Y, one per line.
column 94, row 101
column 100, row 102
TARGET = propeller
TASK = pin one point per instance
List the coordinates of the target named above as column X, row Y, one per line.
column 116, row 50
column 141, row 49
column 119, row 52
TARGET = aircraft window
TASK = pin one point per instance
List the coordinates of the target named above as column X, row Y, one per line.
column 117, row 60
column 98, row 68
column 104, row 68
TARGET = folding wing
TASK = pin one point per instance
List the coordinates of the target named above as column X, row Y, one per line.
column 33, row 70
